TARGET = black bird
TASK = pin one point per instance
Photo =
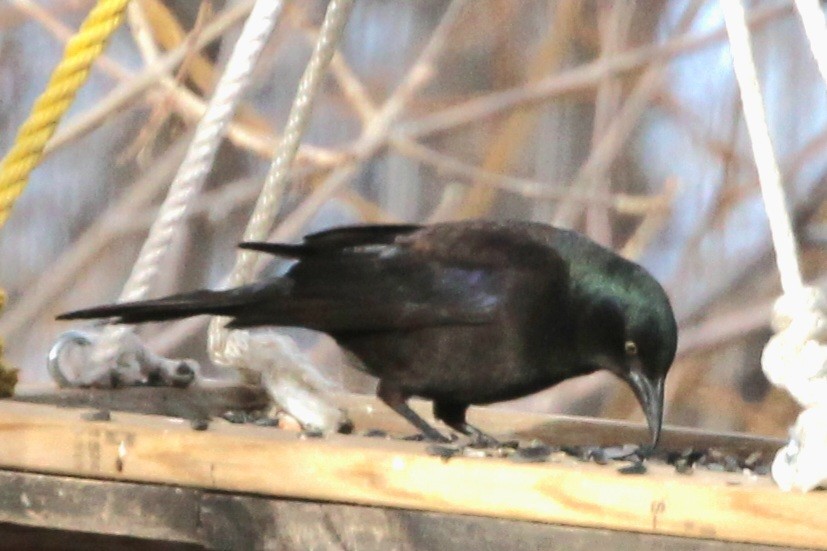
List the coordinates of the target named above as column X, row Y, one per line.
column 460, row 313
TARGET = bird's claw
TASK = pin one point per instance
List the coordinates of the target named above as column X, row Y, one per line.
column 435, row 437
column 485, row 441
column 480, row 439
column 440, row 438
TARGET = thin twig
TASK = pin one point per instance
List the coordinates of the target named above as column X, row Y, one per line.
column 512, row 136
column 581, row 78
column 530, row 189
column 815, row 26
column 595, row 170
column 375, row 135
column 614, row 21
column 652, row 223
column 602, row 156
column 43, row 292
column 63, row 33
column 696, row 128
column 133, row 85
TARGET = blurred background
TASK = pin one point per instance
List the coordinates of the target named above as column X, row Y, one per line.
column 621, row 119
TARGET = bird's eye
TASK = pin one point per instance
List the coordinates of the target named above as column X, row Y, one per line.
column 631, row 348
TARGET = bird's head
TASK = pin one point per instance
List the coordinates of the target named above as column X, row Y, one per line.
column 630, row 330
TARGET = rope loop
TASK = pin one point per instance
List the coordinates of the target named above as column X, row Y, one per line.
column 795, row 358
column 67, row 78
column 72, row 364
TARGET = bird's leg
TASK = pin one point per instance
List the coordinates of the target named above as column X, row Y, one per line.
column 453, row 415
column 398, row 402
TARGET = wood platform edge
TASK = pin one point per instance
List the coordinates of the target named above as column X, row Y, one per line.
column 364, row 471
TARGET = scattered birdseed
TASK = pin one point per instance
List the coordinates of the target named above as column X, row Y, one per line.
column 753, row 460
column 731, row 464
column 683, row 466
column 444, row 452
column 470, row 451
column 635, row 468
column 99, row 415
column 483, row 444
column 762, row 470
column 598, row 455
column 581, row 453
column 236, row 416
column 311, row 432
column 646, row 451
column 199, row 424
column 502, row 451
column 266, row 422
column 615, row 453
column 685, row 461
column 532, row 454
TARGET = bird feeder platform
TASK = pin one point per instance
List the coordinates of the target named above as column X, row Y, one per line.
column 156, row 480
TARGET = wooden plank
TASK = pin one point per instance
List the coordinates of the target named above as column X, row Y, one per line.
column 367, row 412
column 74, row 509
column 192, row 402
column 297, row 526
column 15, row 537
column 103, row 507
column 369, row 471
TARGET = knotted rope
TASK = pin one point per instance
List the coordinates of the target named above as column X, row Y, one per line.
column 795, row 358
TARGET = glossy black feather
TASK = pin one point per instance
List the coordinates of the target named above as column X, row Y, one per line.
column 461, row 313
column 276, row 249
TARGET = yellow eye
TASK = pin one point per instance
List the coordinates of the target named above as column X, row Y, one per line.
column 631, row 348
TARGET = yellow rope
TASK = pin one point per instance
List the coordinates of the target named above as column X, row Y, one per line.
column 81, row 50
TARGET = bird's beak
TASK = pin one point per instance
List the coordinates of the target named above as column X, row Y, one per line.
column 649, row 393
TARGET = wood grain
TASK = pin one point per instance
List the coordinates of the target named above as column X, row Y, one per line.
column 373, row 471
column 48, row 511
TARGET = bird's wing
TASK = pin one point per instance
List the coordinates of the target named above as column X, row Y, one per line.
column 378, row 278
column 354, row 236
column 335, row 240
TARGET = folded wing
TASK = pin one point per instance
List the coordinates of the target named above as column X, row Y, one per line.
column 372, row 278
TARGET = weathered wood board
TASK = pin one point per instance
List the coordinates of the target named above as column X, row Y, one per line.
column 370, row 471
column 94, row 514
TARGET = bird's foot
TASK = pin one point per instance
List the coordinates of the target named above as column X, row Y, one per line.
column 485, row 442
column 482, row 440
column 436, row 436
column 431, row 436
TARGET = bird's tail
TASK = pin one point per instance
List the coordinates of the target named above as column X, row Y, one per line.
column 220, row 303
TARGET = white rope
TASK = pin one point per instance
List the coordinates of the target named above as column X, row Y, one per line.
column 290, row 379
column 288, row 376
column 294, row 382
column 795, row 358
column 269, row 200
column 815, row 26
column 769, row 176
column 196, row 165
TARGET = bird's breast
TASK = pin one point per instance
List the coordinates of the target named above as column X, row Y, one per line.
column 473, row 363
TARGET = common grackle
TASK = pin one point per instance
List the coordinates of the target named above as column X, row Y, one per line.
column 460, row 313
